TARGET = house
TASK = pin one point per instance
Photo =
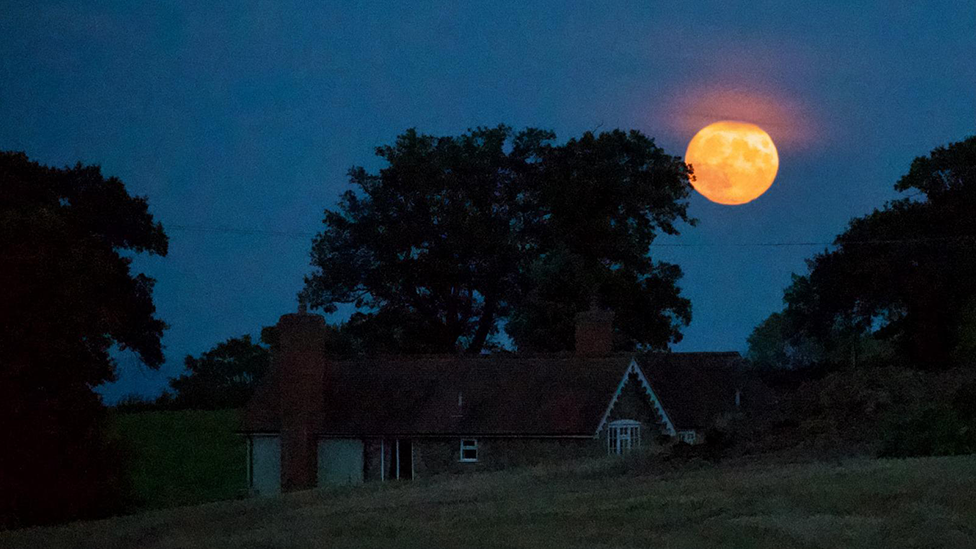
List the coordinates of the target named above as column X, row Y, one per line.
column 318, row 420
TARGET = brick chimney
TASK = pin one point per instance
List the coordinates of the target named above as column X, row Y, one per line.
column 300, row 364
column 594, row 331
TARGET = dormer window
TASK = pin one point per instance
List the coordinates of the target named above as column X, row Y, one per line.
column 623, row 436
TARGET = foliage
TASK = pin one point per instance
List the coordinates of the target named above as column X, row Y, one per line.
column 935, row 431
column 947, row 428
column 777, row 343
column 854, row 403
column 889, row 409
column 772, row 345
column 135, row 403
column 457, row 235
column 223, row 377
column 138, row 403
column 67, row 297
column 889, row 288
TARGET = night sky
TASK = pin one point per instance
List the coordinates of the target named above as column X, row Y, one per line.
column 246, row 116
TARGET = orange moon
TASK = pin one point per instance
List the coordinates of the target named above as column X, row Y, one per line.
column 733, row 162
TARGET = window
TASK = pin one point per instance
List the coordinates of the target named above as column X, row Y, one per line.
column 687, row 436
column 623, row 436
column 469, row 449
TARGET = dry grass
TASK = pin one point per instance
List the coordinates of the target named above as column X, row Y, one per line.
column 858, row 503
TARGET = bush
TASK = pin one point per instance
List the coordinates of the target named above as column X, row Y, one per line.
column 866, row 410
column 946, row 429
column 133, row 403
column 964, row 402
column 844, row 411
column 63, row 463
column 936, row 431
column 849, row 408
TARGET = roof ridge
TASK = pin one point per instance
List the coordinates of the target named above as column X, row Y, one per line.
column 445, row 357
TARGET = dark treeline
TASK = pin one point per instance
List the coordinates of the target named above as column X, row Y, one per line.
column 885, row 322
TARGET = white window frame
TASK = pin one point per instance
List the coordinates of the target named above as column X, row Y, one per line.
column 472, row 444
column 623, row 436
column 250, row 462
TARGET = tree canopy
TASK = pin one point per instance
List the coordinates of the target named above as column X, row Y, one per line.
column 67, row 298
column 457, row 236
column 223, row 377
column 899, row 273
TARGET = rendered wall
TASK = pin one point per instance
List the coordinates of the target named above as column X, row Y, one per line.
column 340, row 461
column 265, row 455
column 442, row 455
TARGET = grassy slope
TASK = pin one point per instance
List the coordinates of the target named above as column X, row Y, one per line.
column 860, row 503
column 183, row 458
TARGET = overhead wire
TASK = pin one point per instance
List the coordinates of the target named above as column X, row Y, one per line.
column 243, row 231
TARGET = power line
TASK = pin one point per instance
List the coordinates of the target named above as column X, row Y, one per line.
column 960, row 239
column 240, row 231
column 301, row 234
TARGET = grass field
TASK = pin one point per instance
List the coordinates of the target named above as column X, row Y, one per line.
column 856, row 503
column 183, row 458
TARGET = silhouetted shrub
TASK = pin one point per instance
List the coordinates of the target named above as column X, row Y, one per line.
column 138, row 403
column 717, row 443
column 66, row 464
column 944, row 429
column 936, row 431
column 964, row 402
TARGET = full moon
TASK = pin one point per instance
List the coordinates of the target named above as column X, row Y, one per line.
column 733, row 162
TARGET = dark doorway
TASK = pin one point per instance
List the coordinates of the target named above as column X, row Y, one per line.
column 401, row 466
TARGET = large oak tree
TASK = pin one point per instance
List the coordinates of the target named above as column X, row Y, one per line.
column 456, row 235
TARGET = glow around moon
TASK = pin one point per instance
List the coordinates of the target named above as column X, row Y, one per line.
column 733, row 162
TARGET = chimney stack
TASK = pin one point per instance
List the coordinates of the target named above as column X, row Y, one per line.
column 300, row 364
column 594, row 331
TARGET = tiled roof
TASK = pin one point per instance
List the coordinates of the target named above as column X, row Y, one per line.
column 548, row 395
column 694, row 388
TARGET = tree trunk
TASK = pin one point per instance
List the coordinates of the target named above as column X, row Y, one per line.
column 485, row 325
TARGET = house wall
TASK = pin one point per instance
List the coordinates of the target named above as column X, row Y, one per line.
column 434, row 456
column 264, row 454
column 340, row 461
column 442, row 455
column 634, row 403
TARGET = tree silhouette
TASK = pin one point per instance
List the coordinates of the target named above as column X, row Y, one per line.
column 900, row 272
column 223, row 377
column 67, row 297
column 453, row 237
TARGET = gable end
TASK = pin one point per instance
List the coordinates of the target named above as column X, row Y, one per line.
column 654, row 400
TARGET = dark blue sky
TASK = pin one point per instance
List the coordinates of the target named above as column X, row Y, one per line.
column 248, row 114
